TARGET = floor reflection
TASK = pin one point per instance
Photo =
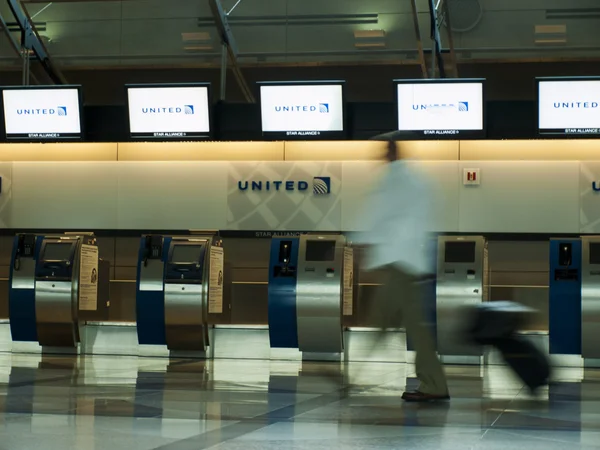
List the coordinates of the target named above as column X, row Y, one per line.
column 132, row 403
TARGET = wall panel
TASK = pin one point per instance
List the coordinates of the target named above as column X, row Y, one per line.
column 521, row 197
column 201, row 151
column 589, row 199
column 6, row 174
column 64, row 195
column 71, row 151
column 172, row 195
column 514, row 196
column 368, row 150
column 359, row 179
column 537, row 150
column 445, row 180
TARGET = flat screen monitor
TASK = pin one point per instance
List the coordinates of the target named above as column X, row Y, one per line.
column 302, row 110
column 186, row 253
column 460, row 252
column 169, row 112
column 437, row 109
column 42, row 113
column 568, row 106
column 57, row 251
column 320, row 251
column 594, row 253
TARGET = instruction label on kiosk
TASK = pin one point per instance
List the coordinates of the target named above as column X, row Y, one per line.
column 348, row 281
column 215, row 287
column 88, row 278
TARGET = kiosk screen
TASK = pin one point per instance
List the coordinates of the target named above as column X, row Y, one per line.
column 57, row 252
column 460, row 252
column 186, row 253
column 595, row 253
column 320, row 251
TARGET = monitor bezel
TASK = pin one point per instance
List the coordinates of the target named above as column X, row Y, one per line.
column 322, row 135
column 146, row 136
column 78, row 138
column 426, row 134
column 559, row 132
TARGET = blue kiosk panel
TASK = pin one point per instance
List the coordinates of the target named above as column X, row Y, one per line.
column 21, row 302
column 283, row 264
column 150, row 304
column 428, row 292
column 565, row 297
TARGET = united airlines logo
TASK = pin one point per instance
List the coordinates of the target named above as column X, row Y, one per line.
column 440, row 107
column 575, row 105
column 322, row 108
column 185, row 109
column 58, row 111
column 321, row 185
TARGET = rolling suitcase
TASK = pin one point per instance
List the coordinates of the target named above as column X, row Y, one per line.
column 496, row 324
column 526, row 360
column 490, row 321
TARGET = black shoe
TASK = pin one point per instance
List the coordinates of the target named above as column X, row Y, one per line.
column 421, row 397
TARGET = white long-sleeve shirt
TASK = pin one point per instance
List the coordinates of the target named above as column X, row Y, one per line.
column 398, row 220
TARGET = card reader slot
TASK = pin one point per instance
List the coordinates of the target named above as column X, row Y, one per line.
column 309, row 269
column 53, row 265
column 595, row 272
column 284, row 271
column 53, row 278
column 566, row 275
column 184, row 281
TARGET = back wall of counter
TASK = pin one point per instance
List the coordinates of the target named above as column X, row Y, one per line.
column 514, row 196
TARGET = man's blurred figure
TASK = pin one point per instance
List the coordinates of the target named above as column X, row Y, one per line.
column 398, row 219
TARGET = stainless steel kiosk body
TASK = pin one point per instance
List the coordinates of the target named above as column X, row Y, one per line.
column 66, row 281
column 590, row 297
column 180, row 283
column 324, row 292
column 462, row 280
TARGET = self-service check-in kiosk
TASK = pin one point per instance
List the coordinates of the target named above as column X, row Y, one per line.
column 564, row 297
column 180, row 281
column 53, row 280
column 310, row 290
column 462, row 280
column 590, row 297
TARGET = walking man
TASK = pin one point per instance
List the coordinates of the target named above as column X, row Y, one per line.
column 398, row 217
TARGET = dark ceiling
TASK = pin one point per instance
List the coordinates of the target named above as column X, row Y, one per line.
column 182, row 33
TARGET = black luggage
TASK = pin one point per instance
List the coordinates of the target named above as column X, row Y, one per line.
column 490, row 321
column 526, row 360
column 496, row 324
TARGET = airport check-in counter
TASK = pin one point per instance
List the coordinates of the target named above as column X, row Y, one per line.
column 53, row 280
column 180, row 280
column 462, row 281
column 310, row 289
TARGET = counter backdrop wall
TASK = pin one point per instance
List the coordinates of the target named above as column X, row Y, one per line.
column 512, row 197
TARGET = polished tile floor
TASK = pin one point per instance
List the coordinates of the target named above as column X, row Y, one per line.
column 116, row 403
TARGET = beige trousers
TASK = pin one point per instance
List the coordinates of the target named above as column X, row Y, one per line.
column 399, row 303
